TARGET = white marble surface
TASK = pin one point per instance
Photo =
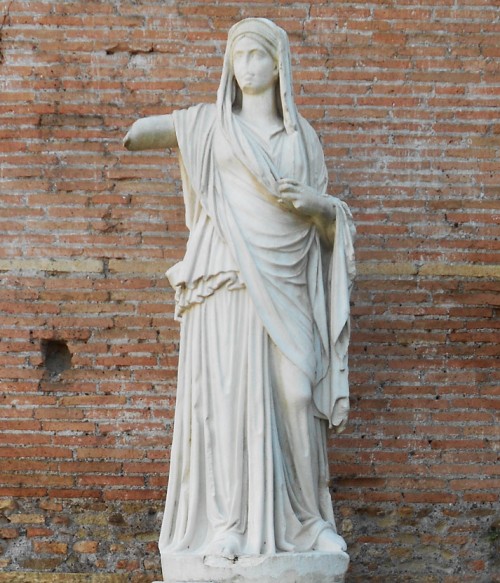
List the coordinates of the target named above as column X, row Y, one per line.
column 263, row 297
column 279, row 568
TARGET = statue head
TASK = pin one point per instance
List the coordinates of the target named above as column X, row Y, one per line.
column 274, row 41
column 255, row 65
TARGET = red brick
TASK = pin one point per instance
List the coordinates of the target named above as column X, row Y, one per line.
column 403, row 98
column 51, row 548
column 8, row 533
column 86, row 547
column 39, row 532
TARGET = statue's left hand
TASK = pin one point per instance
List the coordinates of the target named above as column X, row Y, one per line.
column 303, row 199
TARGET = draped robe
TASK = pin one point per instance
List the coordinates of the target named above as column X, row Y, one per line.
column 257, row 288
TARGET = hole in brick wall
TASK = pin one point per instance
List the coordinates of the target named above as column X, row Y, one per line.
column 56, row 356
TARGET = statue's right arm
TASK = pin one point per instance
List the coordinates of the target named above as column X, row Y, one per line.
column 151, row 133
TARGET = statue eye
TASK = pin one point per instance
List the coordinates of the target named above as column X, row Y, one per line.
column 259, row 53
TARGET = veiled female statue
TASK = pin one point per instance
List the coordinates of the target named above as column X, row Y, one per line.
column 263, row 298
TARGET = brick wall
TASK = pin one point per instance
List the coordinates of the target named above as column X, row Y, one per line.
column 405, row 99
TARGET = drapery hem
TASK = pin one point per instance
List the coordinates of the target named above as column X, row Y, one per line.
column 233, row 469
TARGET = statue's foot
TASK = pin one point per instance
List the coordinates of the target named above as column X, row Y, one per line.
column 329, row 541
column 227, row 546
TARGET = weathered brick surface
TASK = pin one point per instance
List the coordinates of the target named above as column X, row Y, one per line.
column 405, row 99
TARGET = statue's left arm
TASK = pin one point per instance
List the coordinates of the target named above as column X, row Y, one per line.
column 333, row 221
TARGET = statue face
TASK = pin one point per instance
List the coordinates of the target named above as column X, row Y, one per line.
column 254, row 68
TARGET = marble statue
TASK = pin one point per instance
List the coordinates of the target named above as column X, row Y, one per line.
column 263, row 298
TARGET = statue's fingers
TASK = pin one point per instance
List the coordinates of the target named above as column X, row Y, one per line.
column 283, row 186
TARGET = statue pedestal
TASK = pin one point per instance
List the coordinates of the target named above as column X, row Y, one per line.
column 312, row 567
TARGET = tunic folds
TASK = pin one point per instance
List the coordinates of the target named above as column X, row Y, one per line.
column 264, row 306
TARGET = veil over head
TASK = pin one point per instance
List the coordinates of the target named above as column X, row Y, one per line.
column 275, row 40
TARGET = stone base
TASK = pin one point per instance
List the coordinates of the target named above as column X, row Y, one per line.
column 313, row 567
